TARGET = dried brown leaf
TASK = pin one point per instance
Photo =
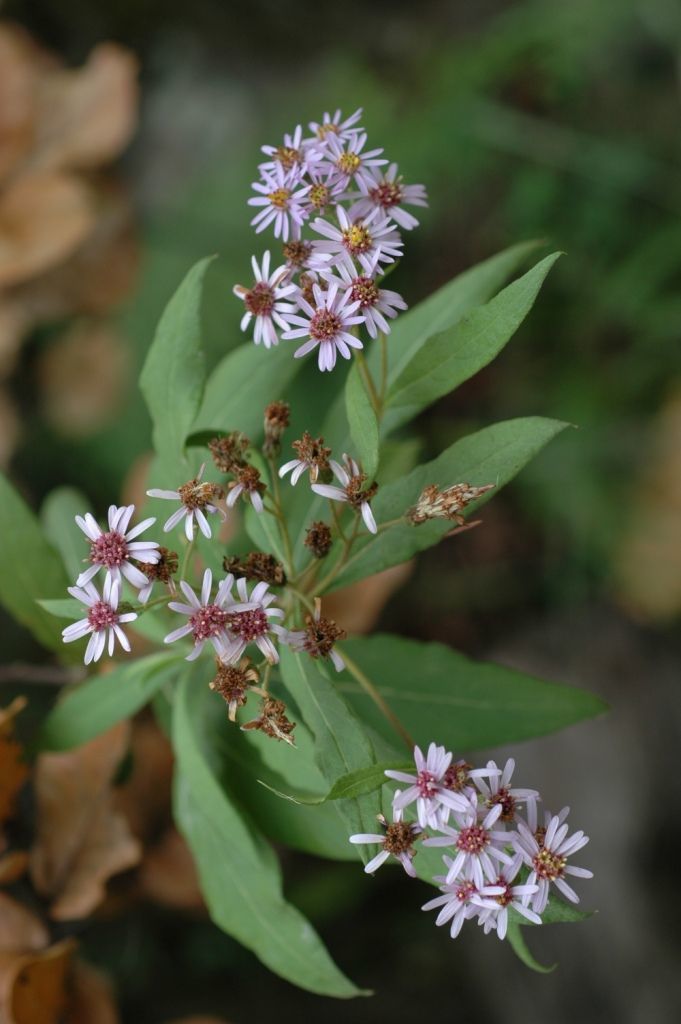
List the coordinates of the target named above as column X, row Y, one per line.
column 145, row 799
column 168, row 874
column 12, row 866
column 13, row 770
column 33, row 986
column 21, row 931
column 91, row 997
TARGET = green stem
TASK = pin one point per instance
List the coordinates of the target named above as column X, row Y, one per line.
column 371, row 691
column 342, row 560
column 279, row 515
column 185, row 560
column 368, row 380
column 384, row 368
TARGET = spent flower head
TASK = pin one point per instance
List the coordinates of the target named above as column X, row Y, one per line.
column 196, row 498
column 352, row 490
column 273, row 721
column 449, row 503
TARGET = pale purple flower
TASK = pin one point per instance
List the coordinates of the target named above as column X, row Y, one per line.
column 475, row 844
column 293, row 155
column 375, row 304
column 494, row 917
column 335, row 126
column 370, row 241
column 249, row 622
column 327, row 325
column 281, row 200
column 114, row 549
column 428, row 788
column 396, row 839
column 325, row 191
column 461, row 900
column 207, row 620
column 263, row 301
column 547, row 857
column 498, row 790
column 388, row 193
column 352, row 490
column 102, row 619
column 195, row 500
column 348, row 163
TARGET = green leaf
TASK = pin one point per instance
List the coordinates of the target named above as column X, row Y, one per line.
column 452, row 356
column 58, row 515
column 556, row 911
column 173, row 375
column 239, row 873
column 63, row 607
column 442, row 696
column 342, row 745
column 97, row 704
column 354, row 784
column 516, row 941
column 492, row 455
column 31, row 570
column 242, row 384
column 362, row 420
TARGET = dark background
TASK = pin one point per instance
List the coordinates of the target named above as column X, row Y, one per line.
column 525, row 120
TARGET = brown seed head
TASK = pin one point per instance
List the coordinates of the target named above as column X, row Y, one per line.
column 228, row 451
column 356, row 491
column 249, row 478
column 447, row 504
column 277, row 417
column 164, row 569
column 257, row 565
column 297, row 253
column 232, row 682
column 195, row 494
column 314, row 453
column 318, row 539
column 456, row 777
column 273, row 721
column 321, row 635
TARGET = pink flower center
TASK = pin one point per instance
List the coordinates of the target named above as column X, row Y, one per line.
column 426, row 783
column 249, row 625
column 364, row 291
column 357, row 239
column 260, row 299
column 207, row 622
column 465, row 891
column 110, row 549
column 325, row 325
column 388, row 193
column 548, row 864
column 101, row 616
column 506, row 897
column 473, row 839
column 503, row 797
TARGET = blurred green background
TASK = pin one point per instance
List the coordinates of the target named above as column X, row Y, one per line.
column 534, row 119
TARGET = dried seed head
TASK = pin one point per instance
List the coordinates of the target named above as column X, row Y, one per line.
column 399, row 836
column 313, row 452
column 228, row 452
column 273, row 721
column 456, row 777
column 297, row 253
column 232, row 682
column 357, row 493
column 195, row 494
column 318, row 539
column 248, row 478
column 447, row 504
column 306, row 283
column 256, row 566
column 320, row 636
column 164, row 569
column 277, row 417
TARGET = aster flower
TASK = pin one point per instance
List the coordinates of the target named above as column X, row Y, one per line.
column 375, row 304
column 396, row 839
column 344, row 129
column 161, row 571
column 547, row 858
column 427, row 788
column 207, row 620
column 497, row 790
column 263, row 300
column 461, row 900
column 346, row 163
column 387, row 193
column 313, row 456
column 249, row 622
column 196, row 498
column 324, row 191
column 327, row 326
column 102, row 619
column 352, row 490
column 494, row 917
column 474, row 842
column 249, row 484
column 295, row 154
column 319, row 637
column 298, row 254
column 114, row 549
column 282, row 203
column 370, row 241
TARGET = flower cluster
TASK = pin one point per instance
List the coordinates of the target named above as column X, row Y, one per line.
column 337, row 209
column 499, row 857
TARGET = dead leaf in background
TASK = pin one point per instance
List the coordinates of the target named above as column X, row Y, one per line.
column 82, row 377
column 145, row 798
column 356, row 608
column 198, row 1020
column 33, row 986
column 13, row 770
column 91, row 999
column 168, row 874
column 12, row 866
column 44, row 217
column 16, row 96
column 81, row 840
column 21, row 931
column 648, row 564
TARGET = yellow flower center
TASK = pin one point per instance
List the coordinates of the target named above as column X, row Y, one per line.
column 279, row 198
column 348, row 163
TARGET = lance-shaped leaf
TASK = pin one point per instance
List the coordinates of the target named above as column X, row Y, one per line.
column 174, row 373
column 341, row 743
column 453, row 355
column 362, row 420
column 354, row 784
column 58, row 515
column 31, row 569
column 557, row 911
column 445, row 697
column 102, row 701
column 493, row 455
column 239, row 873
